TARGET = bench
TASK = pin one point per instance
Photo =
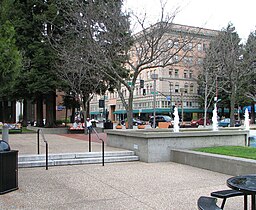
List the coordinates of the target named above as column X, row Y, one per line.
column 207, row 203
column 224, row 194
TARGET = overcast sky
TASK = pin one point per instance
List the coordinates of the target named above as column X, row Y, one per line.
column 204, row 13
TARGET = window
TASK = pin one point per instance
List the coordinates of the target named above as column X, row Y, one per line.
column 190, row 74
column 185, row 73
column 171, row 86
column 169, row 43
column 191, row 89
column 199, row 47
column 176, row 44
column 186, row 88
column 190, row 46
column 176, row 72
column 176, row 58
column 170, row 72
column 177, row 87
column 200, row 61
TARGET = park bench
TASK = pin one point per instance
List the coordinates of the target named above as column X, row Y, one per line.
column 224, row 194
column 207, row 203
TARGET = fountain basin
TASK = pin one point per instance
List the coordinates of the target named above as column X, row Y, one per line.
column 155, row 145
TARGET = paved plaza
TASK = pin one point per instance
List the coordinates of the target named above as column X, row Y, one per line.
column 127, row 185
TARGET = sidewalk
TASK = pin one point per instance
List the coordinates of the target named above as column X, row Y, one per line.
column 130, row 185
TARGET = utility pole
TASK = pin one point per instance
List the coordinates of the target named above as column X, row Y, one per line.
column 154, row 77
column 182, row 108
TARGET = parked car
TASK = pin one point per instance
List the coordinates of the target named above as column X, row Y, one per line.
column 138, row 122
column 161, row 118
column 135, row 122
column 200, row 121
column 226, row 123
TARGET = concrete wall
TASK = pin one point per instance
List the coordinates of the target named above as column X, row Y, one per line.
column 155, row 145
column 218, row 163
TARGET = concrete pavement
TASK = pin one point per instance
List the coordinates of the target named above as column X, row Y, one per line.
column 130, row 185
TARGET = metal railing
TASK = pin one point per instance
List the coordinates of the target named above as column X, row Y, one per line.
column 46, row 146
column 102, row 143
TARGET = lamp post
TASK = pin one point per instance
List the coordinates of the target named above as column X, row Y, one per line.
column 154, row 77
column 182, row 108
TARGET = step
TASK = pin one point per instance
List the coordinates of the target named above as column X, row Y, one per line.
column 26, row 158
column 76, row 158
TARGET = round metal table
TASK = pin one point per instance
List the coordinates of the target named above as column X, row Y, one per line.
column 245, row 184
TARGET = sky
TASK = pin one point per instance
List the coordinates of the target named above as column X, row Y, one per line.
column 203, row 13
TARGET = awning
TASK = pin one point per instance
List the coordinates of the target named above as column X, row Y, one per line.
column 94, row 112
column 160, row 110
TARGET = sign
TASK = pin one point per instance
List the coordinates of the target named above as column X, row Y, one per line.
column 152, row 92
column 101, row 103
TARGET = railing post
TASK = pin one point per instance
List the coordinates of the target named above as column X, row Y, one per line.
column 38, row 152
column 102, row 152
column 46, row 155
column 90, row 147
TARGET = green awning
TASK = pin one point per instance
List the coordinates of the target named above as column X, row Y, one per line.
column 94, row 112
column 161, row 110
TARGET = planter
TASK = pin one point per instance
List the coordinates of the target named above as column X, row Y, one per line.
column 141, row 126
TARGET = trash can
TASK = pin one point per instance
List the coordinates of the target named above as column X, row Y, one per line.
column 8, row 168
column 108, row 125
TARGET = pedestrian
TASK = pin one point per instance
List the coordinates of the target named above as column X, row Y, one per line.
column 89, row 125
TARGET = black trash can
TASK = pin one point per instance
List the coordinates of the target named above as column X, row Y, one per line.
column 108, row 125
column 8, row 168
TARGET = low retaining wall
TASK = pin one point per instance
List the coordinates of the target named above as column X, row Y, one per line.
column 154, row 145
column 219, row 163
column 60, row 130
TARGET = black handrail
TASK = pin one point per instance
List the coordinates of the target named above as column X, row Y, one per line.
column 46, row 147
column 102, row 143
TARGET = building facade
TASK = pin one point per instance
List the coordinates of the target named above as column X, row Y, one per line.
column 176, row 85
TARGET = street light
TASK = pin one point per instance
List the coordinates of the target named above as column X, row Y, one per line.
column 182, row 92
column 154, row 77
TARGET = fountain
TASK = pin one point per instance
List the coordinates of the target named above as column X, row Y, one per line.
column 214, row 118
column 246, row 120
column 176, row 127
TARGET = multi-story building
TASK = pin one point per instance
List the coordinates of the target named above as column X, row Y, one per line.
column 176, row 85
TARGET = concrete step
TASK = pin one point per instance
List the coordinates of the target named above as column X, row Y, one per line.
column 75, row 158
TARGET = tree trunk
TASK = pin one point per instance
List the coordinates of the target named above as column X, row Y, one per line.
column 39, row 112
column 25, row 113
column 130, row 111
column 253, row 113
column 50, row 110
column 232, row 108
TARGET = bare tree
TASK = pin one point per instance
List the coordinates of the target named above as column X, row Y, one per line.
column 157, row 46
column 226, row 53
column 250, row 63
column 82, row 43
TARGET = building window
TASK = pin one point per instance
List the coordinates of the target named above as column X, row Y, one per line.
column 186, row 88
column 177, row 87
column 176, row 58
column 199, row 47
column 191, row 88
column 169, row 43
column 190, row 46
column 176, row 72
column 200, row 61
column 185, row 73
column 176, row 44
column 170, row 72
column 190, row 74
